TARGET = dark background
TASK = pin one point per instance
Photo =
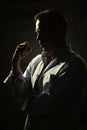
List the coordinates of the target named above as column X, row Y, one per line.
column 16, row 26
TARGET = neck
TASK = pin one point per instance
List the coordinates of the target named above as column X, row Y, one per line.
column 52, row 48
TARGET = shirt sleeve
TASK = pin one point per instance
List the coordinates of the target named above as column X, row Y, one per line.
column 21, row 85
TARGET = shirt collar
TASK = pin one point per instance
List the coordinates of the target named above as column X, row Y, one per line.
column 59, row 53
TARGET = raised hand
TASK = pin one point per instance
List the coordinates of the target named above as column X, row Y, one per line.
column 21, row 51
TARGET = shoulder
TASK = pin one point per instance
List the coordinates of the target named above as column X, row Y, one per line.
column 78, row 61
column 74, row 65
column 74, row 58
column 77, row 65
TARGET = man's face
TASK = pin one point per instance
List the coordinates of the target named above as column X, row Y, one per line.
column 43, row 34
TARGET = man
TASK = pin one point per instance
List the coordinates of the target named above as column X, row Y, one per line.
column 52, row 83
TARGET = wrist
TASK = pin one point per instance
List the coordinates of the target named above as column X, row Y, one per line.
column 15, row 70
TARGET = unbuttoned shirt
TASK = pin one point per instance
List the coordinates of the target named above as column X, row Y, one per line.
column 65, row 72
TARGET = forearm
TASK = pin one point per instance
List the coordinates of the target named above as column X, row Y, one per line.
column 16, row 69
column 21, row 51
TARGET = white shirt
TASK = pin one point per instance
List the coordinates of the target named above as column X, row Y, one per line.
column 65, row 66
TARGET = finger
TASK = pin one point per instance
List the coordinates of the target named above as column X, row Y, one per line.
column 24, row 44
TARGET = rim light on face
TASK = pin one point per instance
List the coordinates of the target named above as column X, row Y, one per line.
column 37, row 24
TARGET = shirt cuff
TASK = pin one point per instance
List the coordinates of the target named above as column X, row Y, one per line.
column 9, row 79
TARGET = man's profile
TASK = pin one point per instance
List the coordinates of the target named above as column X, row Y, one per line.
column 51, row 85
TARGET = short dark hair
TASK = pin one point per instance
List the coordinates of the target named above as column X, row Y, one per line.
column 54, row 18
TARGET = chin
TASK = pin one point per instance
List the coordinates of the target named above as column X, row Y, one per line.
column 43, row 45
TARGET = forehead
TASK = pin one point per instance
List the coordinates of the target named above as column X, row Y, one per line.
column 37, row 24
column 41, row 25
